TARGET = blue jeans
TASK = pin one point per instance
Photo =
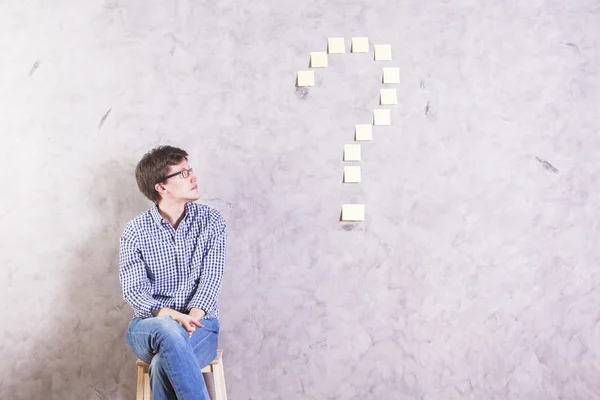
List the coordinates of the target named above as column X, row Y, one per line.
column 175, row 359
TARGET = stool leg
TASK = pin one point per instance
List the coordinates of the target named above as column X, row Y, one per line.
column 140, row 383
column 147, row 395
column 219, row 376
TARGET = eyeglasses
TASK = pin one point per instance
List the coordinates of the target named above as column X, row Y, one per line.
column 184, row 174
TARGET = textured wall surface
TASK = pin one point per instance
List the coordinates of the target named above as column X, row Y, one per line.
column 475, row 274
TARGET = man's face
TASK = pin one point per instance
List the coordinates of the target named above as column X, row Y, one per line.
column 179, row 188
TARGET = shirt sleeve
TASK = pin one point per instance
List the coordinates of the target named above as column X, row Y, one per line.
column 213, row 263
column 133, row 277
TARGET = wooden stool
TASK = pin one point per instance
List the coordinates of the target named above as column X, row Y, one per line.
column 215, row 367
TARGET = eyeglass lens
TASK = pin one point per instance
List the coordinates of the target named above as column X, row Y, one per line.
column 186, row 172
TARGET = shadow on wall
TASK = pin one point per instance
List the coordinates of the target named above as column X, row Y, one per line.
column 84, row 354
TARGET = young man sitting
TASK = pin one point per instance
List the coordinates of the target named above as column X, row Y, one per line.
column 170, row 267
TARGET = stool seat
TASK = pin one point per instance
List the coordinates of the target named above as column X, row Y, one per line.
column 215, row 367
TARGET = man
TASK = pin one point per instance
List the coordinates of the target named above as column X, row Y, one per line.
column 171, row 264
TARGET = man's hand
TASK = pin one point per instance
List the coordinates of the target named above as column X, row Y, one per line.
column 197, row 314
column 193, row 318
column 188, row 322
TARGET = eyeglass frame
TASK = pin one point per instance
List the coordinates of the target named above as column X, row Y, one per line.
column 187, row 173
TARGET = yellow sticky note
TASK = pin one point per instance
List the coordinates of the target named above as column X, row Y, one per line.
column 353, row 212
column 391, row 75
column 383, row 52
column 352, row 152
column 336, row 45
column 388, row 96
column 360, row 44
column 363, row 132
column 382, row 116
column 352, row 174
column 306, row 78
column 318, row 59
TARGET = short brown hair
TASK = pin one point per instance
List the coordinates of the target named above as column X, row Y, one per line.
column 154, row 166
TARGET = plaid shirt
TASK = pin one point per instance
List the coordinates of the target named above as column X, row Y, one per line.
column 179, row 269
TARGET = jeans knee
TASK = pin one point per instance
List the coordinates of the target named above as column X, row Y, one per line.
column 156, row 367
column 170, row 332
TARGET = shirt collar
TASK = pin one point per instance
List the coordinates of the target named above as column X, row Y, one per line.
column 156, row 215
column 161, row 221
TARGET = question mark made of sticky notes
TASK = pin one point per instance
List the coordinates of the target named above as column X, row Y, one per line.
column 362, row 131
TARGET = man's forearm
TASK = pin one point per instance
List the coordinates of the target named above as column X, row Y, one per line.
column 197, row 313
column 165, row 311
column 174, row 313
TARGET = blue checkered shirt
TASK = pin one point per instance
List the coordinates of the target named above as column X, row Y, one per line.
column 179, row 269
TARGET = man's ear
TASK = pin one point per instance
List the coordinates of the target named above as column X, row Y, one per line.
column 160, row 188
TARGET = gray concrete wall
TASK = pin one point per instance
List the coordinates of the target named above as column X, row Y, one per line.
column 474, row 274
